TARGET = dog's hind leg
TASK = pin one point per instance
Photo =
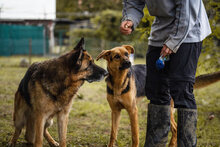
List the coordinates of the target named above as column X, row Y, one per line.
column 15, row 137
column 47, row 135
column 30, row 130
column 39, row 123
column 18, row 117
column 115, row 123
column 173, row 141
column 133, row 114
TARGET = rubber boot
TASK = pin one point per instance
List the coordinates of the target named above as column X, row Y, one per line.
column 158, row 125
column 186, row 127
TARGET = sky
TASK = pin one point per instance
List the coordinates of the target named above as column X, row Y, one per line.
column 27, row 9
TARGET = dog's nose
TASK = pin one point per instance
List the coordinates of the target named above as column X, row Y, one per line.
column 127, row 62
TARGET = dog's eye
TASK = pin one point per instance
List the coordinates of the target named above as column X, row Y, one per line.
column 126, row 54
column 117, row 57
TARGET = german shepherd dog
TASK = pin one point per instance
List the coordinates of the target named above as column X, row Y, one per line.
column 125, row 83
column 46, row 90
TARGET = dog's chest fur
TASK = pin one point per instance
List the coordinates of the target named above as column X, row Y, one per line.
column 131, row 83
column 120, row 87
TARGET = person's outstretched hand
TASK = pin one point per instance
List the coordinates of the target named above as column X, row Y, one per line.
column 126, row 27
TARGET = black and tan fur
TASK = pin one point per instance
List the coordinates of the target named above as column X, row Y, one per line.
column 125, row 83
column 46, row 90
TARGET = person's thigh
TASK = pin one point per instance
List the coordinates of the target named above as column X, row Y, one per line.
column 157, row 82
column 182, row 70
column 183, row 64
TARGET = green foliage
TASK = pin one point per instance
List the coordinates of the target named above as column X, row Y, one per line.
column 107, row 25
column 145, row 25
column 82, row 33
column 210, row 58
column 71, row 9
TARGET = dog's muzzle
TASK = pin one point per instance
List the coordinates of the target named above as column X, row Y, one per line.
column 125, row 65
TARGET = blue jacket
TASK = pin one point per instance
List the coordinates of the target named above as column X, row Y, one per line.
column 176, row 21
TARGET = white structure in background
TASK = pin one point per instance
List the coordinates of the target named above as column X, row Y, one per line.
column 30, row 12
column 28, row 9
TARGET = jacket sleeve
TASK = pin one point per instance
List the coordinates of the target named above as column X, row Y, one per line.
column 133, row 10
column 186, row 17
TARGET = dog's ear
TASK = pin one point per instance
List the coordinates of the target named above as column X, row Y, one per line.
column 129, row 48
column 104, row 54
column 80, row 45
column 78, row 54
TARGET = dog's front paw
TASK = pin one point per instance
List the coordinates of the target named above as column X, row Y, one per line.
column 54, row 144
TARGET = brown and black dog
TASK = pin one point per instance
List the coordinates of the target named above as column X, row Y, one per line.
column 125, row 83
column 46, row 90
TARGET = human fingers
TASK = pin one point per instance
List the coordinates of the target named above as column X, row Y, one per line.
column 166, row 51
column 125, row 27
column 162, row 53
column 129, row 24
column 170, row 51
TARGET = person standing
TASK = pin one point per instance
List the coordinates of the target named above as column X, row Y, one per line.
column 178, row 30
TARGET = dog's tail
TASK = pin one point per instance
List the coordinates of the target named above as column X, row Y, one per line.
column 15, row 105
column 206, row 79
column 173, row 140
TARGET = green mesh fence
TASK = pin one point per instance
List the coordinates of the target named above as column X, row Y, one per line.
column 14, row 40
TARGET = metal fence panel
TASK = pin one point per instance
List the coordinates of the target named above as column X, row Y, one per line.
column 14, row 39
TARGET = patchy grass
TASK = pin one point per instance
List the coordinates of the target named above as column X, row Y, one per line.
column 90, row 117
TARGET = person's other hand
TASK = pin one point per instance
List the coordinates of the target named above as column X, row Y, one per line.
column 126, row 27
column 165, row 51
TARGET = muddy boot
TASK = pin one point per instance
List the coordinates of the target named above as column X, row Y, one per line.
column 158, row 125
column 186, row 127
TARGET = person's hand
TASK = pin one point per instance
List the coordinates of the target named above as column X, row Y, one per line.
column 165, row 51
column 126, row 27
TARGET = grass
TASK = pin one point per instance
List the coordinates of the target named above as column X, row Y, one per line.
column 90, row 117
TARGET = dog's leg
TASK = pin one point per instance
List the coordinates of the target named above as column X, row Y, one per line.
column 62, row 120
column 19, row 119
column 47, row 135
column 115, row 122
column 30, row 130
column 133, row 114
column 50, row 139
column 39, row 126
column 15, row 137
column 173, row 141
